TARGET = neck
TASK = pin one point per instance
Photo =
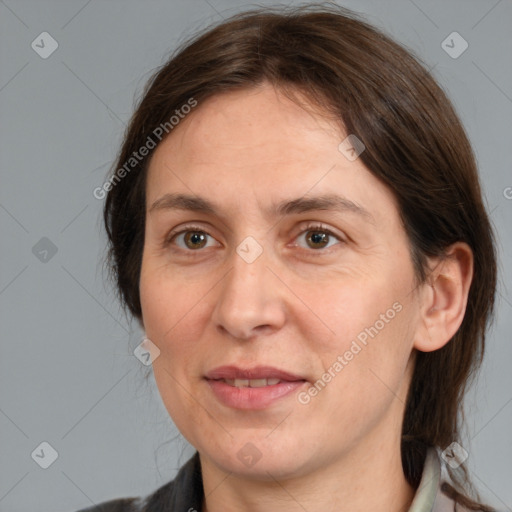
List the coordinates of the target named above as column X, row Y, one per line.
column 361, row 480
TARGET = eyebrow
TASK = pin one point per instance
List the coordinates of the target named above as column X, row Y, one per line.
column 330, row 202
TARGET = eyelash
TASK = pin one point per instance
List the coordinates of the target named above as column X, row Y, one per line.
column 310, row 227
column 323, row 229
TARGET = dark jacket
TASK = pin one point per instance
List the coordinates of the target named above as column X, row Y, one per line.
column 185, row 492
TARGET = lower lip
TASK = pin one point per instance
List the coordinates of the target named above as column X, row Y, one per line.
column 252, row 398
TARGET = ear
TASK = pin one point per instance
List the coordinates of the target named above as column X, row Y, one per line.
column 444, row 297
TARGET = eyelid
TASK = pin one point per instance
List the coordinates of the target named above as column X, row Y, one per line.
column 183, row 229
column 303, row 247
column 303, row 228
column 320, row 226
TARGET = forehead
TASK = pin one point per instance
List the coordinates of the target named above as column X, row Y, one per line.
column 259, row 123
column 258, row 143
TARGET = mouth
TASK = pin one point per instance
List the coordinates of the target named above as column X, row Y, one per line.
column 257, row 376
column 252, row 388
column 251, row 383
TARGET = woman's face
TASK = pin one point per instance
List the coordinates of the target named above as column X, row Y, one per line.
column 271, row 250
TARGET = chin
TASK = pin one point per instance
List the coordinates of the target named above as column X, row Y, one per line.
column 262, row 458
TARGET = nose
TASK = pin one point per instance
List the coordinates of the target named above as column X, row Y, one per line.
column 250, row 301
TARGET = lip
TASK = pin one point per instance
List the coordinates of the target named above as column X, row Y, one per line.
column 257, row 372
column 252, row 398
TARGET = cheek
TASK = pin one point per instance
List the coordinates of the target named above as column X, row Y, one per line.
column 348, row 306
column 170, row 315
column 167, row 302
column 372, row 322
column 364, row 369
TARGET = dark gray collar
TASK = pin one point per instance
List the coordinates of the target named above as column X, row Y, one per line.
column 183, row 494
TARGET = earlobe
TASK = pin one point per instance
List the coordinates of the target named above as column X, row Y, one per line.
column 444, row 298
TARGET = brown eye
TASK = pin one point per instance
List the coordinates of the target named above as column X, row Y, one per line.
column 195, row 239
column 191, row 239
column 317, row 239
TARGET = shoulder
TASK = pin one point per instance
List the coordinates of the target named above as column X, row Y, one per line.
column 119, row 505
column 451, row 497
column 438, row 493
column 185, row 490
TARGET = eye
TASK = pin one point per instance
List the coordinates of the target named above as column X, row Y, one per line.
column 318, row 237
column 191, row 239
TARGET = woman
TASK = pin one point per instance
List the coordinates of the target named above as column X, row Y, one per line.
column 295, row 218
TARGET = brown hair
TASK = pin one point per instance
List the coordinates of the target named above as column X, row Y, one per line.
column 414, row 143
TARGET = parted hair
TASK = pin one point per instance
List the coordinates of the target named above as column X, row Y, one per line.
column 415, row 144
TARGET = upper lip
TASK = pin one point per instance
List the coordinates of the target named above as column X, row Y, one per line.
column 256, row 372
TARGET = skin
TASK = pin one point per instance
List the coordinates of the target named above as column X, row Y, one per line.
column 296, row 307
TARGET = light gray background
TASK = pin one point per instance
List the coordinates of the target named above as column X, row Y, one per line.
column 68, row 374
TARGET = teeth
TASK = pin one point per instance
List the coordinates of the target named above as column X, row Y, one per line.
column 258, row 383
column 251, row 383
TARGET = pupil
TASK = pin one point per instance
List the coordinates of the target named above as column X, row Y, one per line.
column 195, row 239
column 318, row 237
